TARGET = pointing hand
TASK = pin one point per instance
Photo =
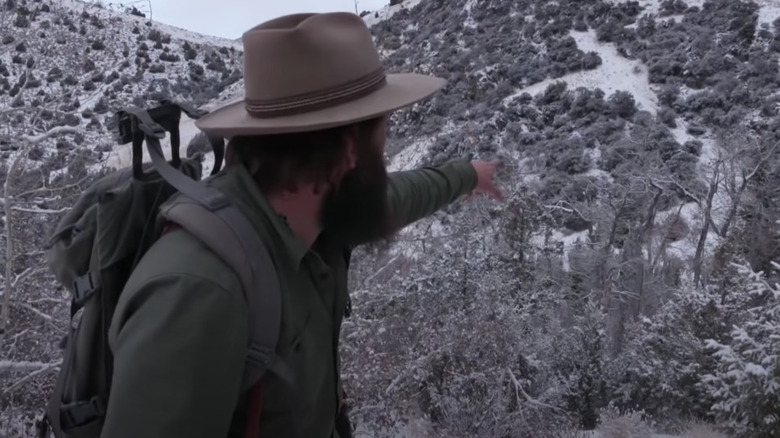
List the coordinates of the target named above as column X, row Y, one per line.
column 485, row 174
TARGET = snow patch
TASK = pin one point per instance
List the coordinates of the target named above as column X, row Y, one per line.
column 388, row 11
column 175, row 32
column 768, row 12
column 469, row 22
column 566, row 241
column 410, row 155
column 615, row 73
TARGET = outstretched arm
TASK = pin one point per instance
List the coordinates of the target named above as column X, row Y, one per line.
column 419, row 193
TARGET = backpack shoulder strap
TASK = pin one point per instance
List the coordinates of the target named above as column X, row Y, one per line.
column 206, row 213
column 230, row 235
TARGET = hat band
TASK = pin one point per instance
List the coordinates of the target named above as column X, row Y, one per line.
column 318, row 100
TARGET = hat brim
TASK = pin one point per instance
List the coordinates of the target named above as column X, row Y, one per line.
column 401, row 90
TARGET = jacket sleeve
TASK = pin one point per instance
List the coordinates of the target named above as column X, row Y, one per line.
column 178, row 345
column 418, row 193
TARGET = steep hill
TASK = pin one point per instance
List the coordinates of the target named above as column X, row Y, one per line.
column 639, row 141
column 69, row 63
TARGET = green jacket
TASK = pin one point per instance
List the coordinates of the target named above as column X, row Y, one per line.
column 180, row 331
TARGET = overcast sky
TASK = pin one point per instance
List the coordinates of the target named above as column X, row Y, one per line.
column 230, row 18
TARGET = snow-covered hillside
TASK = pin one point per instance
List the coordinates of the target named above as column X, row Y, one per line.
column 631, row 133
column 79, row 63
column 615, row 73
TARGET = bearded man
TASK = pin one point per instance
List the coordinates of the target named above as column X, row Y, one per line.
column 305, row 165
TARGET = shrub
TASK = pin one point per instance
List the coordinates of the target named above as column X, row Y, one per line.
column 622, row 104
column 169, row 57
column 623, row 425
column 745, row 384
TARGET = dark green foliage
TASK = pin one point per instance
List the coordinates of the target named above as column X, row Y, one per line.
column 22, row 21
column 189, row 52
column 622, row 104
column 169, row 57
column 88, row 66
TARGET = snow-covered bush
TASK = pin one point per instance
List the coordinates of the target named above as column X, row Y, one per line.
column 630, row 424
column 746, row 383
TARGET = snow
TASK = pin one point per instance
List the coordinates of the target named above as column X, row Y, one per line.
column 755, row 369
column 769, row 11
column 567, row 241
column 412, row 155
column 469, row 22
column 175, row 32
column 89, row 102
column 707, row 160
column 686, row 248
column 615, row 73
column 388, row 11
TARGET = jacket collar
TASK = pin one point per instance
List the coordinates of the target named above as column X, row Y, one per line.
column 241, row 189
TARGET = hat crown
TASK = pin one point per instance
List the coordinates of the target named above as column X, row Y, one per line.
column 302, row 60
column 307, row 72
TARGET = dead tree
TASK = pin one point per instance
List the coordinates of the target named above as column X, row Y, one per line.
column 10, row 208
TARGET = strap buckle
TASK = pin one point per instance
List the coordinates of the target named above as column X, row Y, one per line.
column 78, row 413
column 84, row 287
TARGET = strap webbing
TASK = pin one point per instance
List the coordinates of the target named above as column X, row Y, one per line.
column 144, row 126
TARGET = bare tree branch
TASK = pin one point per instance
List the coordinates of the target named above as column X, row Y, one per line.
column 32, row 309
column 42, row 368
column 40, row 210
column 59, row 130
column 24, row 366
column 15, row 171
column 520, row 391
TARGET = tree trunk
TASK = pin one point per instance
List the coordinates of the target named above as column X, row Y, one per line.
column 647, row 229
column 10, row 254
column 697, row 262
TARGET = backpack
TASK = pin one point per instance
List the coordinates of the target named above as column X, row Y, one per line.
column 96, row 246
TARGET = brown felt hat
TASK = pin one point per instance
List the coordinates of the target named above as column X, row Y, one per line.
column 305, row 72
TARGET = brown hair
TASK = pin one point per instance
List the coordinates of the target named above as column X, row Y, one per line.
column 280, row 162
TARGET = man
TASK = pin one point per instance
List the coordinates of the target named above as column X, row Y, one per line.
column 306, row 166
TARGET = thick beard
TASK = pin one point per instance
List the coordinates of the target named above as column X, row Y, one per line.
column 358, row 211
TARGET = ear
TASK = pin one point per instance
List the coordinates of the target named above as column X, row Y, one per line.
column 350, row 150
column 347, row 162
